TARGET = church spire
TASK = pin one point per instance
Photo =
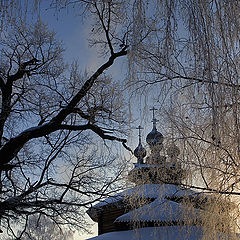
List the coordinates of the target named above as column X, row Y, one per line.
column 154, row 120
column 140, row 151
column 154, row 137
column 139, row 132
column 157, row 168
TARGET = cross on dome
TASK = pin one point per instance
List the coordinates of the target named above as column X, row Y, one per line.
column 153, row 110
column 154, row 120
column 139, row 132
column 154, row 137
column 140, row 151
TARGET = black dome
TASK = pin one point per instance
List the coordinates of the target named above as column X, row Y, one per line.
column 154, row 137
column 140, row 152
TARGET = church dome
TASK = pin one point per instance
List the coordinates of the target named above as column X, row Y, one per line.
column 173, row 151
column 140, row 151
column 154, row 137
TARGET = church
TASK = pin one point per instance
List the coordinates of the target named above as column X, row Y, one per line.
column 157, row 207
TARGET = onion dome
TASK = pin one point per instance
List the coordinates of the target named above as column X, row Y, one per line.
column 173, row 151
column 140, row 151
column 154, row 137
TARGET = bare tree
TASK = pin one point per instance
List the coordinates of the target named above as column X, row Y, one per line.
column 186, row 53
column 188, row 49
column 41, row 228
column 52, row 118
column 11, row 9
column 190, row 62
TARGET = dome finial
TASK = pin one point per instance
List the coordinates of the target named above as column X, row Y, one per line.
column 154, row 120
column 139, row 132
column 140, row 152
column 154, row 137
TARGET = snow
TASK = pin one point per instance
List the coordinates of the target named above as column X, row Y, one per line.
column 148, row 191
column 165, row 233
column 155, row 233
column 111, row 200
column 161, row 210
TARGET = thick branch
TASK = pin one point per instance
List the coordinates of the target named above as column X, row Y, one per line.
column 100, row 132
column 7, row 92
column 14, row 145
column 86, row 87
column 12, row 203
column 18, row 204
column 2, row 84
column 22, row 70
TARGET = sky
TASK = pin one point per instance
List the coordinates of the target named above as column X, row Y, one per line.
column 70, row 29
column 74, row 34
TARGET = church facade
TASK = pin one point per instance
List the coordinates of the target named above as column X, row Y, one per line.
column 157, row 207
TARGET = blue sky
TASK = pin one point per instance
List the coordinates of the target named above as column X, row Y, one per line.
column 70, row 30
column 74, row 33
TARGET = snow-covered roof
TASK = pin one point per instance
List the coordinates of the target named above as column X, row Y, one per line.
column 177, row 219
column 161, row 210
column 148, row 191
column 155, row 233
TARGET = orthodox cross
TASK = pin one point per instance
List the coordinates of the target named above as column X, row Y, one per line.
column 139, row 132
column 153, row 109
column 154, row 119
